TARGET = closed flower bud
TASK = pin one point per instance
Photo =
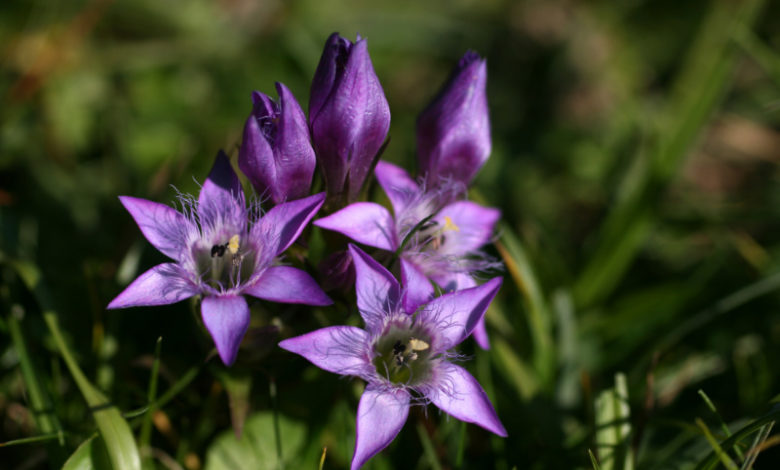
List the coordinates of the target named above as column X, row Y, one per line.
column 276, row 153
column 453, row 132
column 349, row 116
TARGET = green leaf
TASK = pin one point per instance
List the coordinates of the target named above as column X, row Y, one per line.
column 40, row 401
column 613, row 427
column 90, row 455
column 116, row 434
column 256, row 449
column 238, row 384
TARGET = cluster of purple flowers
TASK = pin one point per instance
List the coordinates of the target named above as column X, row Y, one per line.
column 224, row 247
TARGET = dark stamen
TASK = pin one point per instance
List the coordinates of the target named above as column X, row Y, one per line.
column 218, row 250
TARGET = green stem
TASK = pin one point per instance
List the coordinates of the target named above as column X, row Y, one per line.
column 277, row 431
column 42, row 405
column 146, row 425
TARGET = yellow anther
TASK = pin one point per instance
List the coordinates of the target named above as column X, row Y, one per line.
column 449, row 224
column 418, row 344
column 232, row 245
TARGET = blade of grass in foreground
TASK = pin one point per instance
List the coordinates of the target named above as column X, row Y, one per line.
column 114, row 430
column 41, row 403
column 613, row 427
column 722, row 456
column 711, row 461
column 723, row 426
column 698, row 89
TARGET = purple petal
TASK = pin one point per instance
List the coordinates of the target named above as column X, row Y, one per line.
column 163, row 284
column 337, row 349
column 381, row 415
column 451, row 281
column 467, row 227
column 455, row 315
column 378, row 293
column 333, row 56
column 453, row 133
column 282, row 225
column 227, row 319
column 480, row 334
column 397, row 184
column 288, row 285
column 255, row 156
column 460, row 395
column 460, row 281
column 295, row 158
column 221, row 196
column 165, row 228
column 365, row 222
column 417, row 288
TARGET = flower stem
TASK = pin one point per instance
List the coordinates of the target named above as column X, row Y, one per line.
column 277, row 433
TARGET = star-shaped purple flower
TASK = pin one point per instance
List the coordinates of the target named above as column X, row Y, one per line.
column 222, row 249
column 403, row 352
column 437, row 235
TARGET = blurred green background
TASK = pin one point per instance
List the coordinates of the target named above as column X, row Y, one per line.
column 635, row 162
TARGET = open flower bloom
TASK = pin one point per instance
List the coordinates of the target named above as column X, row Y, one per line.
column 403, row 352
column 453, row 132
column 221, row 250
column 276, row 153
column 348, row 114
column 438, row 238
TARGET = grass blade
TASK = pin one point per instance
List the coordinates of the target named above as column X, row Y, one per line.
column 723, row 426
column 698, row 90
column 539, row 314
column 114, row 430
column 613, row 427
column 724, row 458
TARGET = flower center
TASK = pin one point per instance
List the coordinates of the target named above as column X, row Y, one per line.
column 403, row 355
column 430, row 234
column 226, row 265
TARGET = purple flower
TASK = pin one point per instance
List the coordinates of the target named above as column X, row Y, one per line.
column 437, row 238
column 453, row 132
column 403, row 352
column 348, row 114
column 276, row 153
column 222, row 250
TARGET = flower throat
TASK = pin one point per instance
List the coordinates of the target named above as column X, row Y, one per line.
column 226, row 263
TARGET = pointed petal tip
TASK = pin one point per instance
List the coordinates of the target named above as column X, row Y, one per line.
column 227, row 320
column 460, row 395
column 365, row 222
column 381, row 415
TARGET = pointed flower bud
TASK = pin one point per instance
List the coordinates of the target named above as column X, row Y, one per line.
column 348, row 114
column 453, row 132
column 276, row 153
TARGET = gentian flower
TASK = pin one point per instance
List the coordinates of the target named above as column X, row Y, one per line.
column 276, row 153
column 437, row 235
column 403, row 352
column 453, row 132
column 348, row 114
column 221, row 250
